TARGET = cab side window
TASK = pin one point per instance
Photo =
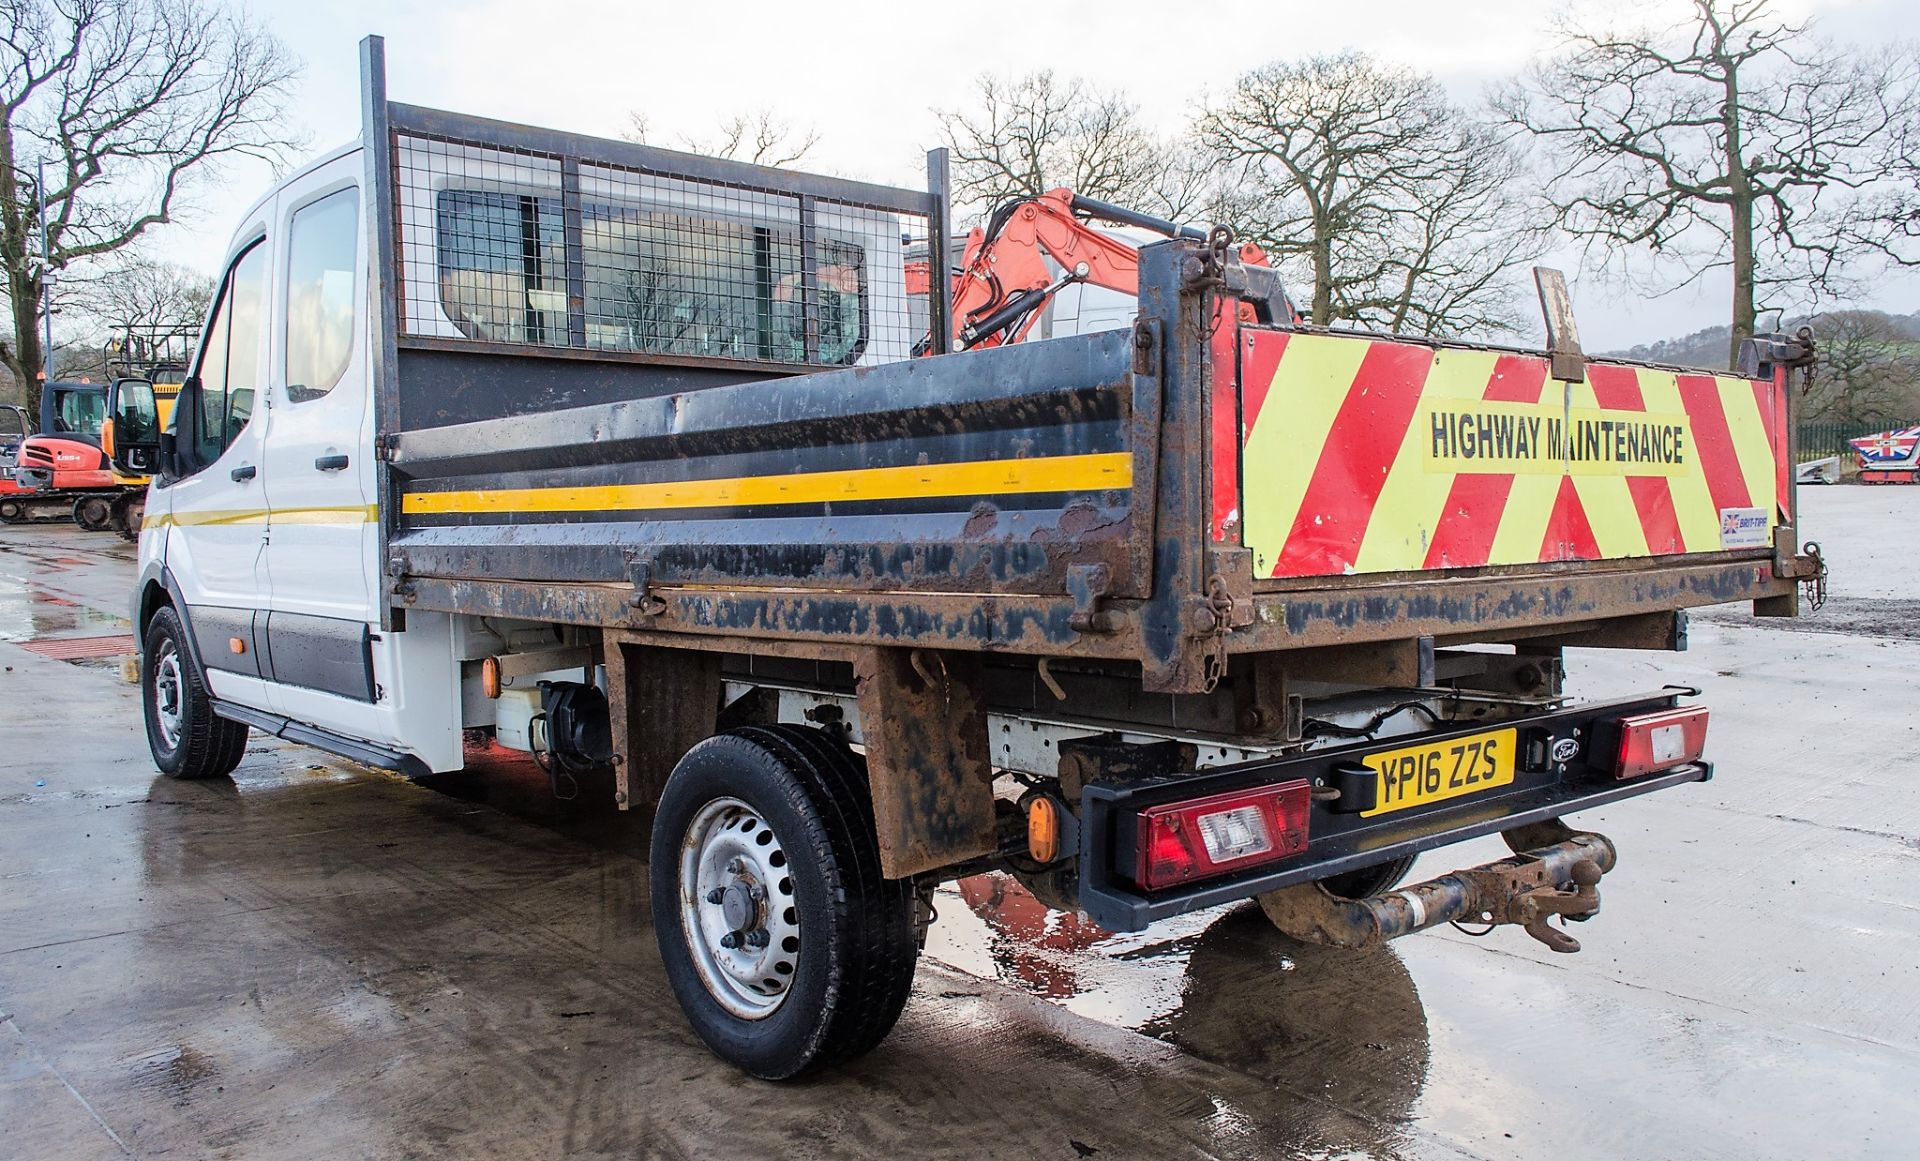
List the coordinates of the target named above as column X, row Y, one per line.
column 322, row 241
column 230, row 359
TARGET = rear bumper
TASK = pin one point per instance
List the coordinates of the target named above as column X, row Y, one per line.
column 1339, row 842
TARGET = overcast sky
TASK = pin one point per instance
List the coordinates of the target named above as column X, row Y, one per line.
column 867, row 76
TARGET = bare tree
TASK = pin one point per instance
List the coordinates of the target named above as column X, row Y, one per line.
column 1027, row 135
column 1734, row 141
column 1869, row 371
column 1382, row 195
column 131, row 297
column 129, row 103
column 760, row 137
column 142, row 294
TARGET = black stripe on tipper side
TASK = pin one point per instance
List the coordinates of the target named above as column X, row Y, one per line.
column 997, row 513
column 948, row 551
column 1066, row 383
column 1082, row 438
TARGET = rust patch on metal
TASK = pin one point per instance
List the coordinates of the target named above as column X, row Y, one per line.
column 925, row 725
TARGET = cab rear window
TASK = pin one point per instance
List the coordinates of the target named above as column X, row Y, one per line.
column 655, row 281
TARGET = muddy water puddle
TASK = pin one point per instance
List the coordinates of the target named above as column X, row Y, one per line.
column 1222, row 984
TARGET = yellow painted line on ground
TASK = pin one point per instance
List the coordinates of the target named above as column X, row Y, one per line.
column 1081, row 473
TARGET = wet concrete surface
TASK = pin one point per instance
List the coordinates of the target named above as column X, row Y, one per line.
column 316, row 960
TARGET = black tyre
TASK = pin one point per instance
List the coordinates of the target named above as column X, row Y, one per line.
column 12, row 512
column 786, row 948
column 1368, row 880
column 187, row 739
column 93, row 513
column 128, row 514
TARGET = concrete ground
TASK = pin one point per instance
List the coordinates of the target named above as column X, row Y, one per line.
column 315, row 960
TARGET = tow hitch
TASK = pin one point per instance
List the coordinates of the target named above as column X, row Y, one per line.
column 1559, row 878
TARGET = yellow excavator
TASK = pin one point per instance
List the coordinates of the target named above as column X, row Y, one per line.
column 150, row 355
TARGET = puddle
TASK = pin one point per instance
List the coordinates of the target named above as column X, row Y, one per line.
column 28, row 612
column 1223, row 985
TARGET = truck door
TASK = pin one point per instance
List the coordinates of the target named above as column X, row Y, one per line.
column 212, row 502
column 323, row 528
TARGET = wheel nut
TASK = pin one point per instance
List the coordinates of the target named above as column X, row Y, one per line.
column 735, row 866
column 716, row 895
column 758, row 938
column 730, row 940
column 756, row 893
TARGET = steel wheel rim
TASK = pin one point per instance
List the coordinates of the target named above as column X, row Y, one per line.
column 168, row 712
column 728, row 851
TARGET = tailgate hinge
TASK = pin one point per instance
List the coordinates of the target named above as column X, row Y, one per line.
column 642, row 599
column 1088, row 585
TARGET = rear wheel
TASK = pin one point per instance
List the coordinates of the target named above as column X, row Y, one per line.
column 93, row 513
column 785, row 946
column 187, row 739
column 12, row 512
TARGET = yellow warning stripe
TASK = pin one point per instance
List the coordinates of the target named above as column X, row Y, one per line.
column 1412, row 500
column 1638, row 479
column 1607, row 499
column 1283, row 451
column 354, row 514
column 1693, row 506
column 1079, row 473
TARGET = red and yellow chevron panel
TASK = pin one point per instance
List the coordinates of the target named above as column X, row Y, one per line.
column 1365, row 455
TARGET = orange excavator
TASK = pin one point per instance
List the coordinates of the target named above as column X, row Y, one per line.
column 60, row 470
column 1033, row 248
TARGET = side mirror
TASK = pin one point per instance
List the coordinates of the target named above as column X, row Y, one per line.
column 134, row 442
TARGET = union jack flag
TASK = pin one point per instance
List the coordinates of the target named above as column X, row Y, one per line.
column 1888, row 449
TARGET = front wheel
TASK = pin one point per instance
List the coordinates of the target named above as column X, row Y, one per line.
column 187, row 739
column 785, row 946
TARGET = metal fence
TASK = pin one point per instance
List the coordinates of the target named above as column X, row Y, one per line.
column 1820, row 440
column 521, row 238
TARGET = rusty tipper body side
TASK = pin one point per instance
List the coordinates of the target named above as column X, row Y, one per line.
column 1211, row 608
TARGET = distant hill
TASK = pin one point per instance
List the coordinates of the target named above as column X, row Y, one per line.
column 1708, row 348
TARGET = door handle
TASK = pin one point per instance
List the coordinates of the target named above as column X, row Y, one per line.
column 331, row 463
column 247, row 472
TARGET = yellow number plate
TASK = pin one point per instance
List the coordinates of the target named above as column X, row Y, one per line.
column 1417, row 775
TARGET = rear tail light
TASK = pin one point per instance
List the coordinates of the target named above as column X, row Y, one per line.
column 1184, row 841
column 1660, row 741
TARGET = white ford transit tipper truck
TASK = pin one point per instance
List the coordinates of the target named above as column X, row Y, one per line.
column 622, row 456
